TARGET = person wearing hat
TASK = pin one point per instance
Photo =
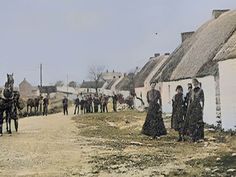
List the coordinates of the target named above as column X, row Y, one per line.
column 195, row 112
column 77, row 103
column 154, row 124
column 65, row 105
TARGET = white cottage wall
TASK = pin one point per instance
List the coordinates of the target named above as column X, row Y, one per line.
column 208, row 85
column 227, row 72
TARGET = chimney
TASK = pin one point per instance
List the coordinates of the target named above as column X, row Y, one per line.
column 156, row 54
column 217, row 13
column 186, row 35
column 151, row 58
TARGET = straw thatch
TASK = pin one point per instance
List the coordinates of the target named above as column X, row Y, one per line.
column 111, row 83
column 195, row 56
column 126, row 83
column 142, row 75
column 228, row 51
column 208, row 43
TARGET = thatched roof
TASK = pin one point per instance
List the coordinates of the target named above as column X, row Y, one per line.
column 228, row 50
column 110, row 83
column 91, row 84
column 126, row 83
column 195, row 56
column 142, row 75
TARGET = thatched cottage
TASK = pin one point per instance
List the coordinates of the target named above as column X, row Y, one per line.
column 145, row 75
column 209, row 55
column 27, row 90
column 90, row 87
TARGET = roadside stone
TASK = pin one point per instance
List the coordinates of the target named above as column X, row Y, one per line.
column 212, row 139
column 231, row 170
column 234, row 155
column 215, row 170
column 218, row 159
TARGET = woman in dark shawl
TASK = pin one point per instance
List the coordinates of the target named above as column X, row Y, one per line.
column 195, row 112
column 154, row 124
column 177, row 119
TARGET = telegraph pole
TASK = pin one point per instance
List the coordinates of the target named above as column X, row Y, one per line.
column 41, row 75
column 67, row 78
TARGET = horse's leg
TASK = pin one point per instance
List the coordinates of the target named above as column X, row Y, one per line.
column 6, row 120
column 16, row 124
column 27, row 110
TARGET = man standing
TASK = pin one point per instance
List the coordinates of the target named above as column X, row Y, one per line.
column 96, row 103
column 45, row 106
column 114, row 101
column 65, row 105
column 77, row 103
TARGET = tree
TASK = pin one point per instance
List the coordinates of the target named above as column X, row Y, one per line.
column 95, row 74
column 59, row 84
column 72, row 84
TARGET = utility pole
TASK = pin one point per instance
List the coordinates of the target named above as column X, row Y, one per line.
column 41, row 75
column 67, row 78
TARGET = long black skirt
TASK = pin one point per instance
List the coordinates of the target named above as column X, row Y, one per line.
column 154, row 124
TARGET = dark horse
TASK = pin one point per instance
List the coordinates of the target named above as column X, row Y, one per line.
column 33, row 103
column 11, row 103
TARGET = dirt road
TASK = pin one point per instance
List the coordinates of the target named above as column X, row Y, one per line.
column 44, row 146
column 108, row 145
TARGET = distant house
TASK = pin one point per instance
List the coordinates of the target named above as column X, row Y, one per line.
column 27, row 90
column 90, row 86
column 48, row 89
column 108, row 76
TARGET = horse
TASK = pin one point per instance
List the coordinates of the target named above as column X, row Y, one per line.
column 10, row 103
column 33, row 103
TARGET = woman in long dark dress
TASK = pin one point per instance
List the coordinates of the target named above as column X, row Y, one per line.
column 177, row 119
column 154, row 124
column 195, row 112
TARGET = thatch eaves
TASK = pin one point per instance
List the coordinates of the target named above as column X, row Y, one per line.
column 142, row 75
column 208, row 43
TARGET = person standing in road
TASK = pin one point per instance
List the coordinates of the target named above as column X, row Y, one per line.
column 65, row 105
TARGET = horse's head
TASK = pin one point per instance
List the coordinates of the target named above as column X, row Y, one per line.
column 10, row 79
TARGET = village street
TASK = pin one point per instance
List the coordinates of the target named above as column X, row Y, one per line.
column 44, row 146
column 107, row 145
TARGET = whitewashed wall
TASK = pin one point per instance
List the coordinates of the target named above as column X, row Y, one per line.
column 208, row 85
column 227, row 72
column 141, row 92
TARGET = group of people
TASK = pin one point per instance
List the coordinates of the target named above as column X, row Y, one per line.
column 187, row 113
column 90, row 104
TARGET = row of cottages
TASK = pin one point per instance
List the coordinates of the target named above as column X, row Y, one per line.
column 208, row 54
column 89, row 87
column 110, row 78
column 144, row 77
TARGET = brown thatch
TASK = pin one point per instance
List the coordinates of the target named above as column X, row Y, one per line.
column 228, row 51
column 126, row 83
column 142, row 75
column 91, row 84
column 208, row 43
column 195, row 55
column 111, row 83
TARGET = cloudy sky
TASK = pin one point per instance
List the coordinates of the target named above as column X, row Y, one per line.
column 68, row 36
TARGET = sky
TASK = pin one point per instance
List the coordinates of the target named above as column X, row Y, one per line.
column 70, row 36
